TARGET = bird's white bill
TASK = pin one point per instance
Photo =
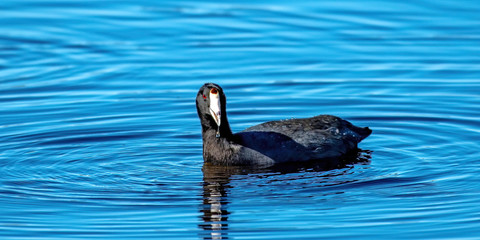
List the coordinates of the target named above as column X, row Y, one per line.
column 215, row 107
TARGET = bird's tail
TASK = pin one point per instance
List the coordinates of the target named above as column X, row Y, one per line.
column 359, row 132
column 363, row 132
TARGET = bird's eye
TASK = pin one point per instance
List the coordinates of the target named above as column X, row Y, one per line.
column 213, row 91
column 204, row 97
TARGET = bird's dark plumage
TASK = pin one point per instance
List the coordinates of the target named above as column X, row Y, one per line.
column 322, row 138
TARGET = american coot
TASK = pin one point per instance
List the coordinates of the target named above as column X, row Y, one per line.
column 322, row 138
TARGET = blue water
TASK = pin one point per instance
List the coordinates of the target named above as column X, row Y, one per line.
column 100, row 137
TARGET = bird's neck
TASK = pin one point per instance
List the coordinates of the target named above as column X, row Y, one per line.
column 213, row 131
column 216, row 149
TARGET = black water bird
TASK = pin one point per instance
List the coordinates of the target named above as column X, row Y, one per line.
column 323, row 138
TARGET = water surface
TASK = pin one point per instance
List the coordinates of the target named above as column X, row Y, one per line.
column 100, row 138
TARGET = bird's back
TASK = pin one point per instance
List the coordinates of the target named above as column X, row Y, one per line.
column 318, row 137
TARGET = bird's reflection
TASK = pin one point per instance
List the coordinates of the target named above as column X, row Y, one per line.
column 214, row 208
column 216, row 186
